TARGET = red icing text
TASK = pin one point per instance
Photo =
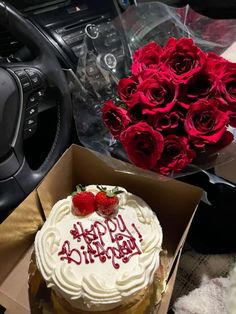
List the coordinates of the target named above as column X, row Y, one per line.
column 122, row 244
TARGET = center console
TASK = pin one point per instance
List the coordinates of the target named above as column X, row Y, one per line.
column 65, row 23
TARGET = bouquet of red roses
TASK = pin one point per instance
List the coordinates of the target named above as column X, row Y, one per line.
column 176, row 105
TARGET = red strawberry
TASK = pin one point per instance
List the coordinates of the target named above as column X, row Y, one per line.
column 106, row 201
column 83, row 202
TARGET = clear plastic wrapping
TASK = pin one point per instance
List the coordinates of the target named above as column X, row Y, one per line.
column 106, row 56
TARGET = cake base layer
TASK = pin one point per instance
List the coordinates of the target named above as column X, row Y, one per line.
column 140, row 304
column 44, row 300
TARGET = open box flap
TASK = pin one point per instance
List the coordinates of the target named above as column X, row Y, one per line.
column 14, row 289
column 17, row 233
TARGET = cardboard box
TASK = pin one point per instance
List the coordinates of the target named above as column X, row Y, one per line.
column 17, row 234
column 174, row 203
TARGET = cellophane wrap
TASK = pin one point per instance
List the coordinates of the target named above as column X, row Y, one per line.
column 106, row 56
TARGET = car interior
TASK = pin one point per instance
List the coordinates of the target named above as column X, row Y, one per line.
column 38, row 39
column 41, row 76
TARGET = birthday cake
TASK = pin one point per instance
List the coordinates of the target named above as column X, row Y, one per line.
column 98, row 251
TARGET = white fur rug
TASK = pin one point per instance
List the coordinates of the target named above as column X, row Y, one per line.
column 207, row 299
column 205, row 284
column 231, row 295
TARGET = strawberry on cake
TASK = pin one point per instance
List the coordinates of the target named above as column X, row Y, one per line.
column 98, row 251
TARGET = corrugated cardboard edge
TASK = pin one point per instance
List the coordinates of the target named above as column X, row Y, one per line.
column 163, row 307
column 13, row 290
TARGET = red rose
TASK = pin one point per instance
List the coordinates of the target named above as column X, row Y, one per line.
column 228, row 79
column 115, row 118
column 145, row 57
column 150, row 73
column 160, row 92
column 167, row 121
column 201, row 85
column 142, row 144
column 183, row 58
column 176, row 155
column 126, row 88
column 205, row 123
column 214, row 63
column 177, row 103
column 140, row 110
column 230, row 109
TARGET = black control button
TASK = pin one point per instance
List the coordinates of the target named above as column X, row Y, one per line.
column 20, row 73
column 110, row 60
column 40, row 94
column 30, row 130
column 111, row 33
column 25, row 82
column 34, row 77
column 32, row 100
column 30, row 121
column 35, row 98
column 35, row 80
column 91, row 31
column 31, row 111
column 30, row 72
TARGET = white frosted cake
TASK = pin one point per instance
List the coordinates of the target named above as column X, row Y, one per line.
column 98, row 263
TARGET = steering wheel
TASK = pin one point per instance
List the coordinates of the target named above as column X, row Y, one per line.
column 22, row 87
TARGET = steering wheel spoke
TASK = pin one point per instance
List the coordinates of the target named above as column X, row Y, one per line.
column 32, row 84
column 23, row 88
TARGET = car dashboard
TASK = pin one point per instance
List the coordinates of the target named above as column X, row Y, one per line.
column 64, row 24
